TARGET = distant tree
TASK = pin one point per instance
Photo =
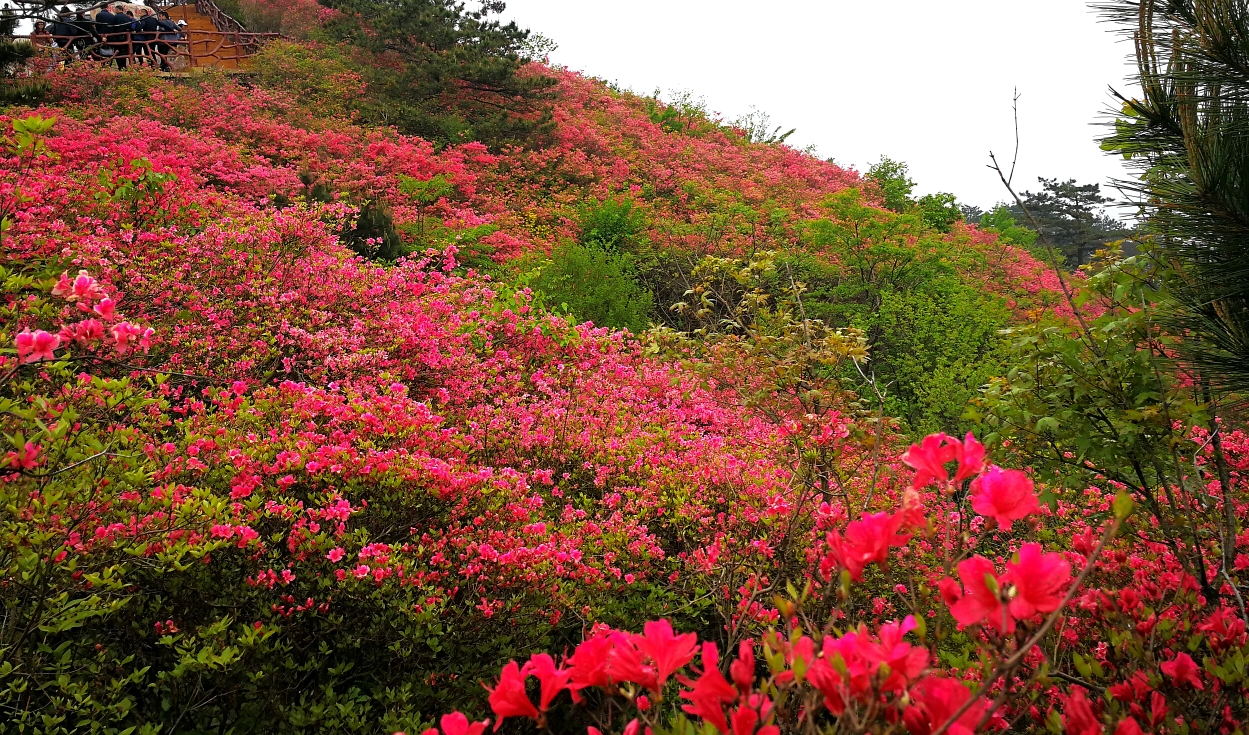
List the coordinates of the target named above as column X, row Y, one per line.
column 443, row 72
column 1072, row 218
column 939, row 211
column 757, row 127
column 971, row 213
column 895, row 186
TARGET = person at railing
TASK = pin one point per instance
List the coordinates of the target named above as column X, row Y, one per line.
column 41, row 38
column 146, row 35
column 45, row 48
column 83, row 33
column 60, row 28
column 169, row 35
column 152, row 26
column 116, row 30
column 8, row 20
column 102, row 24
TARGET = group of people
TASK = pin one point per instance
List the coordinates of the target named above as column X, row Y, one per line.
column 116, row 35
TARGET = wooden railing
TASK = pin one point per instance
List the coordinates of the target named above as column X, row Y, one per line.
column 220, row 19
column 192, row 49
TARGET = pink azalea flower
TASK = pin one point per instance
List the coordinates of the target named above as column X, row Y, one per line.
column 81, row 288
column 36, row 346
column 1040, row 581
column 107, row 308
column 1005, row 495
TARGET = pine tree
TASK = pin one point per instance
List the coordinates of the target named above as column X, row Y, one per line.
column 1188, row 135
column 442, row 72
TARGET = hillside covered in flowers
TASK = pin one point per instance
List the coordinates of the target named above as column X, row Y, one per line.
column 638, row 423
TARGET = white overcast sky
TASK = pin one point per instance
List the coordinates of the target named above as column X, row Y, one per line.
column 924, row 82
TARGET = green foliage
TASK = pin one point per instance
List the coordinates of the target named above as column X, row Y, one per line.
column 596, row 284
column 319, row 75
column 1001, row 222
column 890, row 178
column 937, row 345
column 441, row 72
column 932, row 336
column 939, row 211
column 15, row 54
column 613, row 225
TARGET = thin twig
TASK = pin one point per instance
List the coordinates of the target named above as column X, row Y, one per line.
column 1053, row 254
column 1014, row 104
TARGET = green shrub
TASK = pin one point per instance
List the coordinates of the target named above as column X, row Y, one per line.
column 612, row 225
column 595, row 285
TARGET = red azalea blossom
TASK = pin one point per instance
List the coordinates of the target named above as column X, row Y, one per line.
column 970, row 456
column 744, row 719
column 928, row 459
column 27, row 458
column 934, row 700
column 867, row 540
column 743, row 669
column 1128, row 726
column 667, row 651
column 588, row 664
column 553, row 679
column 980, row 599
column 457, row 724
column 1183, row 670
column 508, row 697
column 1005, row 495
column 1040, row 581
column 1078, row 715
column 710, row 692
column 626, row 663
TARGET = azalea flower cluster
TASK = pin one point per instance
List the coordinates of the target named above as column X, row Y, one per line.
column 856, row 675
column 859, row 679
column 120, row 336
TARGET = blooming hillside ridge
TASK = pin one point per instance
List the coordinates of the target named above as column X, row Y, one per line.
column 260, row 482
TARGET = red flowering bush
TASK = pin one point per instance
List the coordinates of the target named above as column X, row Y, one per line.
column 817, row 676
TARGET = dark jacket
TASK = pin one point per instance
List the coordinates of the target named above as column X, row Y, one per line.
column 112, row 26
column 83, row 26
column 61, row 32
column 168, row 30
column 148, row 26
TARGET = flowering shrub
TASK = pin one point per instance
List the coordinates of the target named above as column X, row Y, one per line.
column 830, row 675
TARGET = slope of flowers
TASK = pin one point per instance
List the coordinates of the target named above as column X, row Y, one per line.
column 256, row 482
column 397, row 447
